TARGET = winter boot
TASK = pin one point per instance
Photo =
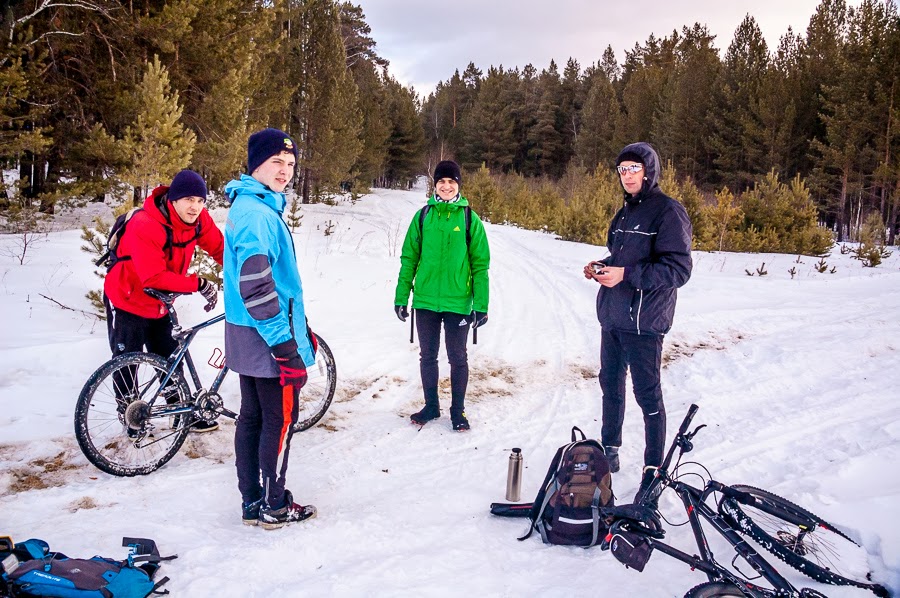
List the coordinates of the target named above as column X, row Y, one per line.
column 291, row 512
column 250, row 512
column 458, row 412
column 432, row 409
column 648, row 492
column 612, row 455
column 204, row 426
column 459, row 421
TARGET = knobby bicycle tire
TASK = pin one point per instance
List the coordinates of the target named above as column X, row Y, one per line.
column 817, row 549
column 315, row 397
column 712, row 589
column 123, row 383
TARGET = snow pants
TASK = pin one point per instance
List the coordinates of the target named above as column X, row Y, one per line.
column 456, row 335
column 129, row 332
column 642, row 354
column 262, row 438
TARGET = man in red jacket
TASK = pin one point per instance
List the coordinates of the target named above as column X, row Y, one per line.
column 155, row 252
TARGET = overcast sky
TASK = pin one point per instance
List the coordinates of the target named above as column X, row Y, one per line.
column 426, row 41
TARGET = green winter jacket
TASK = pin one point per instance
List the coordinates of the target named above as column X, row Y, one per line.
column 442, row 272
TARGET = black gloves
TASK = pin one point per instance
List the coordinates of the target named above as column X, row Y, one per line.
column 479, row 319
column 209, row 292
column 292, row 368
column 402, row 312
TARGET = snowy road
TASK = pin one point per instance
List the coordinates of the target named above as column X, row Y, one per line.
column 797, row 380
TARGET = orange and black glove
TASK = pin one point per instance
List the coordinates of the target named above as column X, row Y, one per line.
column 291, row 366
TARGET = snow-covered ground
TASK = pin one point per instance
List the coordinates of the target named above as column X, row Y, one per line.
column 797, row 379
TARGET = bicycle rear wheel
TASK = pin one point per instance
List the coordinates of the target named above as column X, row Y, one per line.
column 120, row 428
column 801, row 539
column 317, row 393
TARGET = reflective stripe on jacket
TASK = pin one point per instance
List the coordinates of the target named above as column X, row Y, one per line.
column 263, row 292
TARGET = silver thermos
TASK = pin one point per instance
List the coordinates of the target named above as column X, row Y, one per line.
column 514, row 476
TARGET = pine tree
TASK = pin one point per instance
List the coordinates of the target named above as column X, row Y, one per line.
column 849, row 148
column 547, row 143
column 158, row 144
column 737, row 159
column 598, row 143
column 406, row 140
column 366, row 68
column 325, row 118
column 490, row 125
column 681, row 125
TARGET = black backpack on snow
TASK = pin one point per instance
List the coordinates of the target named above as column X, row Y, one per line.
column 578, row 484
column 111, row 257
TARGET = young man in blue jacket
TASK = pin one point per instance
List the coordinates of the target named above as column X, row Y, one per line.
column 267, row 340
column 649, row 244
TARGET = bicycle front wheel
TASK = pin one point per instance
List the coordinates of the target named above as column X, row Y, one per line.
column 801, row 539
column 122, row 417
column 316, row 396
column 713, row 589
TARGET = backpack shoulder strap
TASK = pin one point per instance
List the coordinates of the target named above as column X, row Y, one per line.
column 422, row 212
column 543, row 496
column 468, row 210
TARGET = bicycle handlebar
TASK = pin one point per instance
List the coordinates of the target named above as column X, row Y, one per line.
column 685, row 424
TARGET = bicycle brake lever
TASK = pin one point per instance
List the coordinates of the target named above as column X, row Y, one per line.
column 694, row 433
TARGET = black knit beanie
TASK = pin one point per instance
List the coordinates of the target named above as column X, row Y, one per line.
column 447, row 169
column 264, row 144
column 186, row 183
column 629, row 156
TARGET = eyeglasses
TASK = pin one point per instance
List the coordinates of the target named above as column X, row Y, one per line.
column 631, row 168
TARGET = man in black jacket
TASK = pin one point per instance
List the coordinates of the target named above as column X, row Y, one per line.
column 649, row 242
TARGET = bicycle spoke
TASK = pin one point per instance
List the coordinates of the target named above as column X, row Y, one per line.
column 127, row 387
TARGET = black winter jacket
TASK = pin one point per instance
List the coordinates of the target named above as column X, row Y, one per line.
column 651, row 238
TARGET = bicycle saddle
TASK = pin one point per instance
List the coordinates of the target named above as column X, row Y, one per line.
column 636, row 518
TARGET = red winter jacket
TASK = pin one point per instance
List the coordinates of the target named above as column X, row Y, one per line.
column 151, row 264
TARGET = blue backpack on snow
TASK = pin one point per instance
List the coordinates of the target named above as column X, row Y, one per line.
column 29, row 568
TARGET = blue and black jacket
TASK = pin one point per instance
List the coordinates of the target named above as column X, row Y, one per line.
column 650, row 237
column 263, row 292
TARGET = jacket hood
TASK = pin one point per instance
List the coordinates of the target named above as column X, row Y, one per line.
column 157, row 207
column 650, row 159
column 247, row 185
column 459, row 202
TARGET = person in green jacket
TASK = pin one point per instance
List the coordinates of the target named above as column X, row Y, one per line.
column 444, row 262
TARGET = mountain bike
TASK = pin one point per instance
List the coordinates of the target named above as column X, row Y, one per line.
column 801, row 539
column 136, row 410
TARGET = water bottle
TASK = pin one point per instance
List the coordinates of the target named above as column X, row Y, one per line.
column 514, row 476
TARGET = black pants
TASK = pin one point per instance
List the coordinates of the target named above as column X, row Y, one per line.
column 129, row 332
column 262, row 439
column 642, row 354
column 456, row 335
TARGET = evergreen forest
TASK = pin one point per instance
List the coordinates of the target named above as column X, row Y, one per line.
column 785, row 148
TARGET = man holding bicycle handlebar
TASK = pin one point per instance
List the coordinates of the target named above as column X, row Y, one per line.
column 154, row 251
column 649, row 241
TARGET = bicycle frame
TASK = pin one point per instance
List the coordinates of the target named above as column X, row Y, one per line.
column 694, row 501
column 695, row 506
column 183, row 354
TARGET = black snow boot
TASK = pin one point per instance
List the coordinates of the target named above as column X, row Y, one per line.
column 458, row 411
column 459, row 421
column 648, row 492
column 432, row 409
column 612, row 455
column 428, row 413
